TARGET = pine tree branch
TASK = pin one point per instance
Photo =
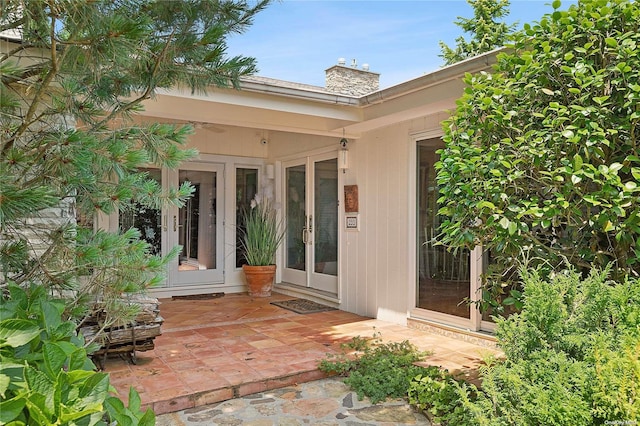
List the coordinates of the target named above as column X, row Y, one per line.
column 120, row 109
column 37, row 99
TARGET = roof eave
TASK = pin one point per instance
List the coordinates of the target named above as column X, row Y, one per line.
column 307, row 94
column 472, row 65
column 478, row 63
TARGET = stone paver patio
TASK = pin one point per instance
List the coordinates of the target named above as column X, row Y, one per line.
column 215, row 350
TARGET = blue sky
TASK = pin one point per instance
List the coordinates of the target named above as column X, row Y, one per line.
column 297, row 40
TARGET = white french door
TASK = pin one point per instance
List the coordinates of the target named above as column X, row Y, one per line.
column 311, row 218
column 197, row 226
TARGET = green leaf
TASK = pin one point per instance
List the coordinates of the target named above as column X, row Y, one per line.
column 95, row 389
column 10, row 409
column 635, row 172
column 612, row 42
column 568, row 134
column 51, row 312
column 78, row 359
column 134, row 400
column 591, row 200
column 547, row 91
column 40, row 384
column 600, row 99
column 504, row 222
column 577, row 162
column 73, row 414
column 40, row 415
column 117, row 411
column 615, row 167
column 148, row 419
column 483, row 204
column 513, row 227
column 18, row 332
column 4, row 384
column 54, row 358
column 515, row 293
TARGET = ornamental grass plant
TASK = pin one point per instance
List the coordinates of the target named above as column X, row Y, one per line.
column 262, row 232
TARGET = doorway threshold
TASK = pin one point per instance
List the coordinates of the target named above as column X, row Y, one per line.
column 319, row 296
column 480, row 338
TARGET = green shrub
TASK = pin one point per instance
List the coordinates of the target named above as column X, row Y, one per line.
column 615, row 387
column 572, row 356
column 46, row 376
column 542, row 162
column 376, row 370
column 436, row 392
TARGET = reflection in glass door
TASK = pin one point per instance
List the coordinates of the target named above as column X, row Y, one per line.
column 311, row 211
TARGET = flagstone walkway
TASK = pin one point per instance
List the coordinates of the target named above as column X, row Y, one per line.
column 321, row 402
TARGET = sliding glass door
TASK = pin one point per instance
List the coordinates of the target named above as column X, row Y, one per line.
column 443, row 285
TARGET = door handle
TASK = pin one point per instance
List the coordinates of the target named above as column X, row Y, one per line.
column 304, row 235
column 175, row 223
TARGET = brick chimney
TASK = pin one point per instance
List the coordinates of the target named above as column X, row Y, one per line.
column 349, row 80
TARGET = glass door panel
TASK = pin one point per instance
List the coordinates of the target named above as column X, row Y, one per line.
column 443, row 277
column 296, row 218
column 246, row 190
column 147, row 220
column 325, row 241
column 197, row 222
column 197, row 226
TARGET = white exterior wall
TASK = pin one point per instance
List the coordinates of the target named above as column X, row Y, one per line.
column 377, row 278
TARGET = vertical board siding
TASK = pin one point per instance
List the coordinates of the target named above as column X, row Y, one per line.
column 382, row 283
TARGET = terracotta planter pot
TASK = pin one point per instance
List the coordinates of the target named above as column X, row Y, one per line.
column 259, row 279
